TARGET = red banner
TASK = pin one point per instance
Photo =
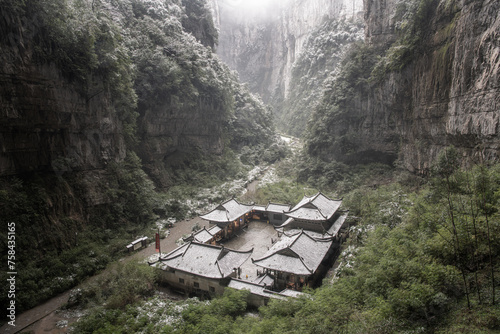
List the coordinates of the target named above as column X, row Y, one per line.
column 157, row 242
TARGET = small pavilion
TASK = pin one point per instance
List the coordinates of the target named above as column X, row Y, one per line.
column 230, row 216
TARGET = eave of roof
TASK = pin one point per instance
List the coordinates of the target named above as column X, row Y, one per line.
column 227, row 212
column 260, row 290
column 279, row 208
column 337, row 225
column 308, row 208
column 207, row 261
column 254, row 288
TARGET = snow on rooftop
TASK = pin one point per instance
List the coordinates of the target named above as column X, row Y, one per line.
column 259, row 208
column 317, row 207
column 202, row 236
column 204, row 260
column 287, row 222
column 228, row 211
column 298, row 254
column 232, row 260
column 214, row 230
column 335, row 228
column 292, row 293
column 265, row 280
column 312, row 234
column 306, row 214
column 254, row 288
column 272, row 207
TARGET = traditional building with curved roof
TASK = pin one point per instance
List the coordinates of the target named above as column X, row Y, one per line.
column 202, row 268
column 294, row 260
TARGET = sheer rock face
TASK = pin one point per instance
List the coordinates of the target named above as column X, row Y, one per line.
column 448, row 95
column 379, row 19
column 167, row 130
column 169, row 133
column 262, row 43
column 47, row 125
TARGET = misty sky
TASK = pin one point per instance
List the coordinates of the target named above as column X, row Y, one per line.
column 251, row 3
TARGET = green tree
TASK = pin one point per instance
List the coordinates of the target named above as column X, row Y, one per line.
column 445, row 181
column 487, row 198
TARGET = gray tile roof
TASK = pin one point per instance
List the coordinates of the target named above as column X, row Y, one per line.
column 204, row 260
column 315, row 208
column 292, row 293
column 260, row 290
column 265, row 280
column 205, row 235
column 228, row 211
column 331, row 232
column 312, row 234
column 335, row 228
column 254, row 288
column 287, row 222
column 202, row 236
column 214, row 230
column 259, row 208
column 298, row 254
column 272, row 207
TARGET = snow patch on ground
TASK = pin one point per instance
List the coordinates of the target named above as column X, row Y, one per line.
column 162, row 312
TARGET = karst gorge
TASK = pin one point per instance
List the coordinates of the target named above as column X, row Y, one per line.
column 126, row 118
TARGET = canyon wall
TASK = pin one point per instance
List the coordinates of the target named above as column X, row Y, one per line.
column 76, row 111
column 435, row 79
column 262, row 42
column 47, row 125
column 448, row 94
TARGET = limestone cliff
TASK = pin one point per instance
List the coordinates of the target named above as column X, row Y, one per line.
column 455, row 91
column 428, row 79
column 51, row 126
column 262, row 42
column 47, row 125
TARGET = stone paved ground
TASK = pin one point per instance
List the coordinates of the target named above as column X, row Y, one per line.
column 258, row 236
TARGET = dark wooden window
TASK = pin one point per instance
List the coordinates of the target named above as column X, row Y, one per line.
column 211, row 289
column 181, row 280
column 196, row 284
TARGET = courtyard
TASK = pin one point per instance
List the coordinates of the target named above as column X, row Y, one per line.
column 259, row 236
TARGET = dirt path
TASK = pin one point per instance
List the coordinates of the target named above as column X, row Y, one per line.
column 45, row 318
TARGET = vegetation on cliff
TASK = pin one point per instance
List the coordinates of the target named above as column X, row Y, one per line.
column 364, row 103
column 411, row 23
column 312, row 70
column 327, row 134
column 61, row 240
